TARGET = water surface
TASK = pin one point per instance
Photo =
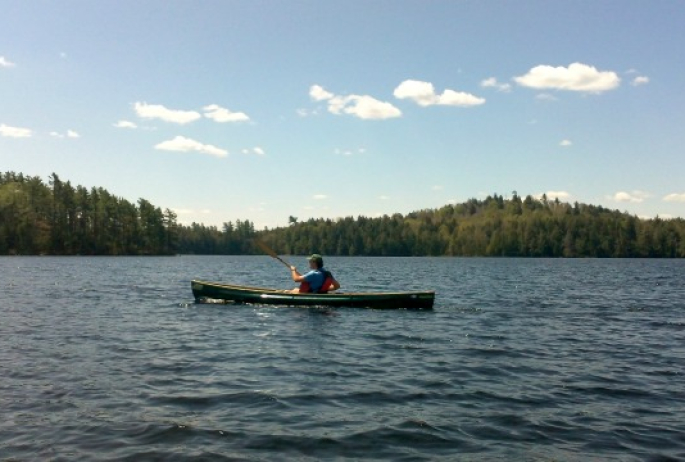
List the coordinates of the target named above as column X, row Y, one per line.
column 521, row 359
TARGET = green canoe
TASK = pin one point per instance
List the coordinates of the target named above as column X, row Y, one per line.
column 203, row 290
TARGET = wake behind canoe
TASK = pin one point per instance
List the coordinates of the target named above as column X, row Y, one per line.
column 263, row 296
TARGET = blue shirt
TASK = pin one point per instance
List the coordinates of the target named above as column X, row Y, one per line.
column 315, row 278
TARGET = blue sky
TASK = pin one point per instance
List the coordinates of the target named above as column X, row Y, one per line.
column 259, row 110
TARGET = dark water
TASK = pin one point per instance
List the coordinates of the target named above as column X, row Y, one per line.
column 539, row 360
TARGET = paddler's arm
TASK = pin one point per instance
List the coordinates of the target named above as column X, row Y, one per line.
column 297, row 277
column 335, row 285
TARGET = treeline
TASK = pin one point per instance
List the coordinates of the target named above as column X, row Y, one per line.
column 60, row 219
column 494, row 227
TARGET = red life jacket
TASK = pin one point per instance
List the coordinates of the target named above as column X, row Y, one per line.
column 305, row 287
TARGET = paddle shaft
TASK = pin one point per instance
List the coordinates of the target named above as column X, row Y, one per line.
column 271, row 253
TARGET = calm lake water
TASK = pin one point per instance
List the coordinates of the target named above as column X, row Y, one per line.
column 521, row 359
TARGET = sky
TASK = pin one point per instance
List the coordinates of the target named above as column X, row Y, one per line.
column 262, row 110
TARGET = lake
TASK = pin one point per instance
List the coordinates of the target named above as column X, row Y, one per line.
column 109, row 358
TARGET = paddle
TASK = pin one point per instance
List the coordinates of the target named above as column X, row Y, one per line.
column 270, row 252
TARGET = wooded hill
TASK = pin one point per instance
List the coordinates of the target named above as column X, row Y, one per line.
column 60, row 219
column 494, row 227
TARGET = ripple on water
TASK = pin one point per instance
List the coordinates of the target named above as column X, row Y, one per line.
column 110, row 359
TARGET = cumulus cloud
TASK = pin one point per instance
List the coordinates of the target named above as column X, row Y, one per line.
column 493, row 83
column 675, row 197
column 565, row 143
column 14, row 132
column 157, row 111
column 361, row 106
column 320, row 196
column 633, row 197
column 640, row 80
column 423, row 94
column 183, row 144
column 125, row 124
column 317, row 93
column 4, row 62
column 575, row 77
column 222, row 115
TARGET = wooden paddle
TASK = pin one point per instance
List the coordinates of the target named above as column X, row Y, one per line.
column 270, row 252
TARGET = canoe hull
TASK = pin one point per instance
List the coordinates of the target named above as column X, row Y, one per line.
column 257, row 295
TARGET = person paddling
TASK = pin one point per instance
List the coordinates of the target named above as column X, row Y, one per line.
column 317, row 280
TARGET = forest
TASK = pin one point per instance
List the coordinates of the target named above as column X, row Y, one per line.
column 57, row 218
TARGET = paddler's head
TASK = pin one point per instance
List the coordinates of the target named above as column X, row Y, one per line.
column 315, row 261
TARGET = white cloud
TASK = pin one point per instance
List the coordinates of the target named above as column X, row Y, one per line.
column 6, row 63
column 565, row 143
column 361, row 106
column 575, row 77
column 493, row 83
column 157, row 111
column 317, row 93
column 437, row 187
column 14, row 132
column 320, row 196
column 640, row 80
column 69, row 134
column 423, row 94
column 125, row 124
column 222, row 115
column 183, row 144
column 633, row 197
column 675, row 197
column 458, row 98
column 384, row 197
column 256, row 150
